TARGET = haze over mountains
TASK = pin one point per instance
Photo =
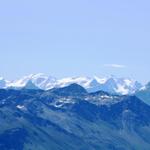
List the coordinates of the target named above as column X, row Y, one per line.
column 112, row 84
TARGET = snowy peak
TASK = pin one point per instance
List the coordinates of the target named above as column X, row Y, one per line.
column 40, row 80
column 43, row 81
column 121, row 86
column 93, row 86
column 110, row 85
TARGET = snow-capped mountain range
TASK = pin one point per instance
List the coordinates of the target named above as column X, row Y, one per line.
column 112, row 84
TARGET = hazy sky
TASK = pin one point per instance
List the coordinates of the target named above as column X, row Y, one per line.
column 75, row 37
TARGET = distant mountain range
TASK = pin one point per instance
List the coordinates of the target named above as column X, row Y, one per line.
column 112, row 85
column 70, row 118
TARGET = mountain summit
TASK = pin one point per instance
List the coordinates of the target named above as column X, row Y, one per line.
column 71, row 90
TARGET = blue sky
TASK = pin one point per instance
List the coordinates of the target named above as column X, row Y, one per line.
column 75, row 37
